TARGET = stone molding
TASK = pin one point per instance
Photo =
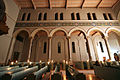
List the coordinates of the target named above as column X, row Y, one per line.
column 62, row 24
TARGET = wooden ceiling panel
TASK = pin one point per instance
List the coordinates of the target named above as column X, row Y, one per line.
column 107, row 3
column 63, row 3
column 58, row 3
column 74, row 3
column 91, row 3
column 24, row 3
column 41, row 3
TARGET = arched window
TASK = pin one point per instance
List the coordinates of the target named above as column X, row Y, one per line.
column 59, row 47
column 101, row 46
column 61, row 16
column 45, row 16
column 105, row 16
column 28, row 17
column 89, row 16
column 40, row 16
column 110, row 16
column 72, row 16
column 23, row 16
column 45, row 47
column 78, row 16
column 56, row 16
column 73, row 47
column 94, row 16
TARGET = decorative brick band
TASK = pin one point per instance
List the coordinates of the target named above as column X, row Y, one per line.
column 60, row 24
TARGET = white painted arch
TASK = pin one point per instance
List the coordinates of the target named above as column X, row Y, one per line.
column 116, row 30
column 95, row 29
column 58, row 29
column 76, row 29
column 39, row 29
column 19, row 30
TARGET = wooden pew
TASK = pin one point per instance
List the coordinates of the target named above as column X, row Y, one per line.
column 13, row 71
column 73, row 74
column 19, row 75
column 8, row 68
column 57, row 75
column 38, row 75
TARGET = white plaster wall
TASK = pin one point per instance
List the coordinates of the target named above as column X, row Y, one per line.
column 114, row 44
column 64, row 48
column 98, row 38
column 12, row 11
column 40, row 47
column 81, row 53
column 37, row 49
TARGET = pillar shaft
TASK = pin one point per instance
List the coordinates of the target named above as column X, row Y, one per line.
column 11, row 47
column 30, row 47
column 69, row 49
column 108, row 46
column 50, row 48
column 88, row 47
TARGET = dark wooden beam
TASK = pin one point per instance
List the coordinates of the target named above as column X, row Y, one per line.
column 98, row 4
column 115, row 3
column 66, row 1
column 82, row 4
column 33, row 3
column 49, row 3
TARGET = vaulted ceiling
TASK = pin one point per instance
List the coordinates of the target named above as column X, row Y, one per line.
column 65, row 3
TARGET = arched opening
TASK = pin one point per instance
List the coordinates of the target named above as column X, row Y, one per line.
column 39, row 47
column 99, row 45
column 59, row 46
column 79, row 46
column 21, row 47
column 114, row 42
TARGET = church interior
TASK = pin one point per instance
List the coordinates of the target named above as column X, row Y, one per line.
column 59, row 39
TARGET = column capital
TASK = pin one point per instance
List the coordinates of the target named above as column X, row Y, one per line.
column 68, row 37
column 87, row 37
column 105, row 37
column 31, row 38
column 49, row 37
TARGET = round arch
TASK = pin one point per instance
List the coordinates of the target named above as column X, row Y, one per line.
column 19, row 30
column 95, row 29
column 39, row 29
column 75, row 29
column 112, row 29
column 57, row 29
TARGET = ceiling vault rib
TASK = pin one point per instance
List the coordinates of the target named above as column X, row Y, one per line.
column 33, row 3
column 82, row 4
column 66, row 1
column 99, row 3
column 115, row 3
column 49, row 4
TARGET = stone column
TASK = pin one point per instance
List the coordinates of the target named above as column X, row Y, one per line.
column 88, row 47
column 95, row 50
column 30, row 47
column 10, row 51
column 69, row 49
column 107, row 45
column 50, row 48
